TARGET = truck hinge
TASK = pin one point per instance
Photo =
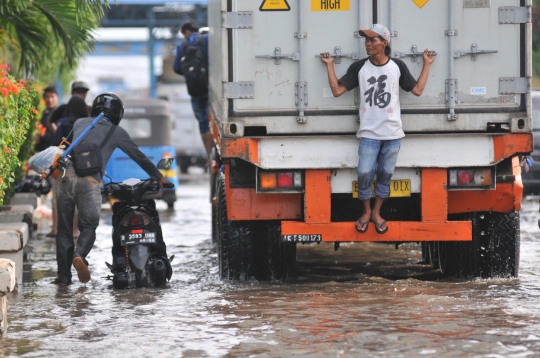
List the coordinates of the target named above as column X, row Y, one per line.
column 237, row 20
column 513, row 85
column 451, row 97
column 515, row 14
column 241, row 90
column 338, row 55
column 474, row 52
column 277, row 56
column 297, row 91
column 414, row 54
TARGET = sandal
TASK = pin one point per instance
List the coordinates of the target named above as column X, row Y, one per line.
column 362, row 223
column 379, row 227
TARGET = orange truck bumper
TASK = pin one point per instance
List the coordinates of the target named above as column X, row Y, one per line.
column 433, row 227
column 436, row 201
column 398, row 231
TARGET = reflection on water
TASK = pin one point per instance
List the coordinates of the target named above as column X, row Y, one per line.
column 365, row 299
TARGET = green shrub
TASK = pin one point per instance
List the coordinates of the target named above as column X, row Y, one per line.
column 17, row 119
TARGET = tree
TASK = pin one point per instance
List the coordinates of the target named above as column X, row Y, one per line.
column 17, row 115
column 41, row 39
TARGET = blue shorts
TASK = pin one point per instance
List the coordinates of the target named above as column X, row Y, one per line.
column 376, row 155
column 200, row 108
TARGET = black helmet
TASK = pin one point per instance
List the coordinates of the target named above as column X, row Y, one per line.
column 111, row 106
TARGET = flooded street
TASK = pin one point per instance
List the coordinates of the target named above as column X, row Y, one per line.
column 365, row 299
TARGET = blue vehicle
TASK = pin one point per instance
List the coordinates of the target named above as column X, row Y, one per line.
column 149, row 124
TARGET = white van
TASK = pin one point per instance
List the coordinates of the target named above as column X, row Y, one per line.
column 187, row 139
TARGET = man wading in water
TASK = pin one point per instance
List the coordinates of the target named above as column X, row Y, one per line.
column 379, row 78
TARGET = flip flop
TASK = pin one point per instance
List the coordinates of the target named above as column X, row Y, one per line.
column 362, row 223
column 378, row 227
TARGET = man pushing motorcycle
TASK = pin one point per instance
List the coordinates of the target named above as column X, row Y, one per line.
column 80, row 180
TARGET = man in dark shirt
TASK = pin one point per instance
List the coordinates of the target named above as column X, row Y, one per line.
column 85, row 194
column 44, row 138
column 76, row 109
column 78, row 88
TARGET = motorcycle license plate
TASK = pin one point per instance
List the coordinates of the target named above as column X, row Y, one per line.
column 398, row 188
column 138, row 238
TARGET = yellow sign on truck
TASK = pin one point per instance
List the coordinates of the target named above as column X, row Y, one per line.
column 330, row 5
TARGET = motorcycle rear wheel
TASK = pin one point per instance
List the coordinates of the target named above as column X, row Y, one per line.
column 144, row 278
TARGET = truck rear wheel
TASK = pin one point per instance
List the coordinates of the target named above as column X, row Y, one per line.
column 433, row 254
column 446, row 257
column 213, row 188
column 275, row 260
column 494, row 249
column 234, row 241
column 215, row 224
column 467, row 259
column 426, row 259
column 504, row 245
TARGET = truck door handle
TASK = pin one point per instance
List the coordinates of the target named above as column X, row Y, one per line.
column 338, row 55
column 277, row 56
column 414, row 54
column 474, row 52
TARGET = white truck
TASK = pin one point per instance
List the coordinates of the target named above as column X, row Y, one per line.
column 286, row 150
column 187, row 140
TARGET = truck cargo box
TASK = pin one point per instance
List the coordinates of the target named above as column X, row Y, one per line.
column 268, row 78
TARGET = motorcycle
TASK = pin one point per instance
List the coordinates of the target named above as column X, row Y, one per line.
column 139, row 252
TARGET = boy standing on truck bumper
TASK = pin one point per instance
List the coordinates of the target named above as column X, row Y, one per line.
column 379, row 78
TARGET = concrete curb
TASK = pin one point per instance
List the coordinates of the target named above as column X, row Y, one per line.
column 7, row 285
column 16, row 214
column 24, row 199
column 13, row 239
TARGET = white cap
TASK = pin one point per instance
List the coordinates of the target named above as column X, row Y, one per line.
column 376, row 30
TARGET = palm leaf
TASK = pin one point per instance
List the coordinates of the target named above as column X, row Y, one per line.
column 47, row 37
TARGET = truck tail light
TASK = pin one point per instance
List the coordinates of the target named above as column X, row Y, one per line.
column 471, row 178
column 268, row 181
column 280, row 181
column 284, row 180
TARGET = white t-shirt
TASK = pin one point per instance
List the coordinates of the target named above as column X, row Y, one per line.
column 380, row 112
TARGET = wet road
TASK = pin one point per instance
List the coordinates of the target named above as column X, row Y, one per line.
column 365, row 299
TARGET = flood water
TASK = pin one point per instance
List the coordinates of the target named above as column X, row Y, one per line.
column 363, row 300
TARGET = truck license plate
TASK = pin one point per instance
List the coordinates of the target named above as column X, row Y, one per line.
column 138, row 238
column 302, row 238
column 398, row 188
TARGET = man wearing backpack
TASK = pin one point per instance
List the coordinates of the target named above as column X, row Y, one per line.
column 79, row 184
column 192, row 62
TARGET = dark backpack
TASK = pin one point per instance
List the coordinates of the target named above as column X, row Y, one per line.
column 194, row 68
column 86, row 157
